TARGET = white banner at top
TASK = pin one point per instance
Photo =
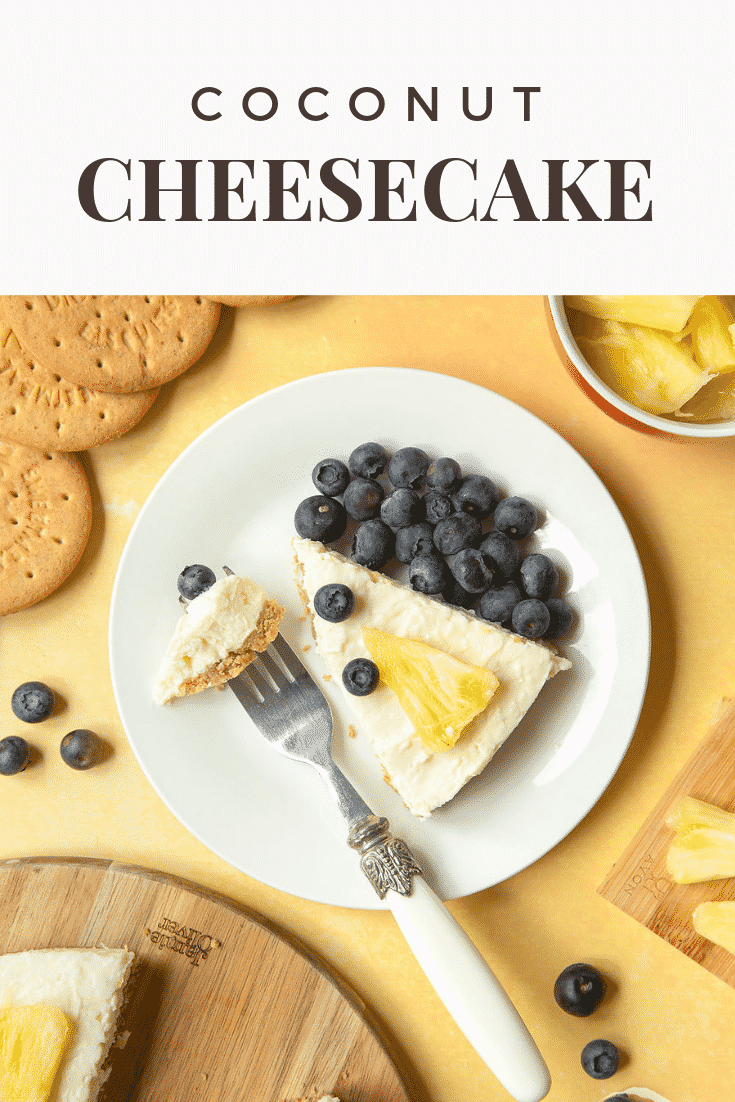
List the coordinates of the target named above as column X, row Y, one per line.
column 327, row 147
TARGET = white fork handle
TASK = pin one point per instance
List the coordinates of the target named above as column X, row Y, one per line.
column 470, row 992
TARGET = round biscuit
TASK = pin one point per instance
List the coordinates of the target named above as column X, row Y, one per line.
column 45, row 519
column 42, row 409
column 250, row 300
column 117, row 344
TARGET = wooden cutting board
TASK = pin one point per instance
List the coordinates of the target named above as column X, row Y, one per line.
column 222, row 1006
column 638, row 882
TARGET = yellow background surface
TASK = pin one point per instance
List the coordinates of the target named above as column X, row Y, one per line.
column 671, row 1018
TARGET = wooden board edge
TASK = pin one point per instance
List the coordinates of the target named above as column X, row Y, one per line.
column 723, row 721
column 394, row 1052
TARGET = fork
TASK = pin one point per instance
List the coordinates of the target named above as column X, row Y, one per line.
column 292, row 714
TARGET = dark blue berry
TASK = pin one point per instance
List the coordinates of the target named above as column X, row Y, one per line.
column 428, row 574
column 579, row 989
column 477, row 495
column 503, row 551
column 81, row 749
column 320, row 518
column 497, row 602
column 443, row 474
column 561, row 618
column 516, row 517
column 372, row 544
column 360, row 676
column 455, row 594
column 408, row 467
column 618, row 1098
column 14, row 754
column 194, row 580
column 530, row 618
column 362, row 498
column 417, row 539
column 32, row 702
column 600, row 1059
column 437, row 506
column 330, row 477
column 539, row 576
column 472, row 569
column 401, row 508
column 334, row 602
column 368, row 461
column 457, row 532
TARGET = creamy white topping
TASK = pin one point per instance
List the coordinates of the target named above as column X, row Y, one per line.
column 218, row 622
column 86, row 984
column 424, row 780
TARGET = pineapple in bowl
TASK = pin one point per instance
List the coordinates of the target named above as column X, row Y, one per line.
column 658, row 362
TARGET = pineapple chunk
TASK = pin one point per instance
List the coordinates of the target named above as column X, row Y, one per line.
column 644, row 366
column 669, row 312
column 712, row 329
column 714, row 402
column 33, row 1040
column 716, row 922
column 438, row 693
column 703, row 847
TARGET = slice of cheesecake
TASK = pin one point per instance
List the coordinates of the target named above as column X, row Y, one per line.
column 217, row 637
column 87, row 987
column 423, row 779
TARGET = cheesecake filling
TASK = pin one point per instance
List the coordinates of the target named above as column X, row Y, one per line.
column 87, row 986
column 423, row 779
column 216, row 624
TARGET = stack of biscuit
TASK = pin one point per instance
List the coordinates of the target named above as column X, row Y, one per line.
column 76, row 371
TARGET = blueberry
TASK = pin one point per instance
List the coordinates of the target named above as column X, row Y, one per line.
column 503, row 551
column 330, row 477
column 401, row 508
column 428, row 573
column 334, row 602
column 81, row 749
column 530, row 618
column 437, row 506
column 320, row 518
column 477, row 495
column 497, row 602
column 579, row 989
column 372, row 544
column 194, row 580
column 417, row 539
column 472, row 569
column 600, row 1059
column 516, row 517
column 32, row 702
column 539, row 576
column 455, row 594
column 457, row 532
column 408, row 467
column 362, row 498
column 443, row 474
column 368, row 461
column 618, row 1098
column 360, row 676
column 561, row 620
column 14, row 754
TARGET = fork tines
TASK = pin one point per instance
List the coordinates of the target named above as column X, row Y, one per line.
column 292, row 663
column 270, row 671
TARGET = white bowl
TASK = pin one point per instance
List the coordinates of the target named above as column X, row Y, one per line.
column 611, row 402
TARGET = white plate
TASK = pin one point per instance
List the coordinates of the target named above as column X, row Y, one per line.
column 229, row 499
